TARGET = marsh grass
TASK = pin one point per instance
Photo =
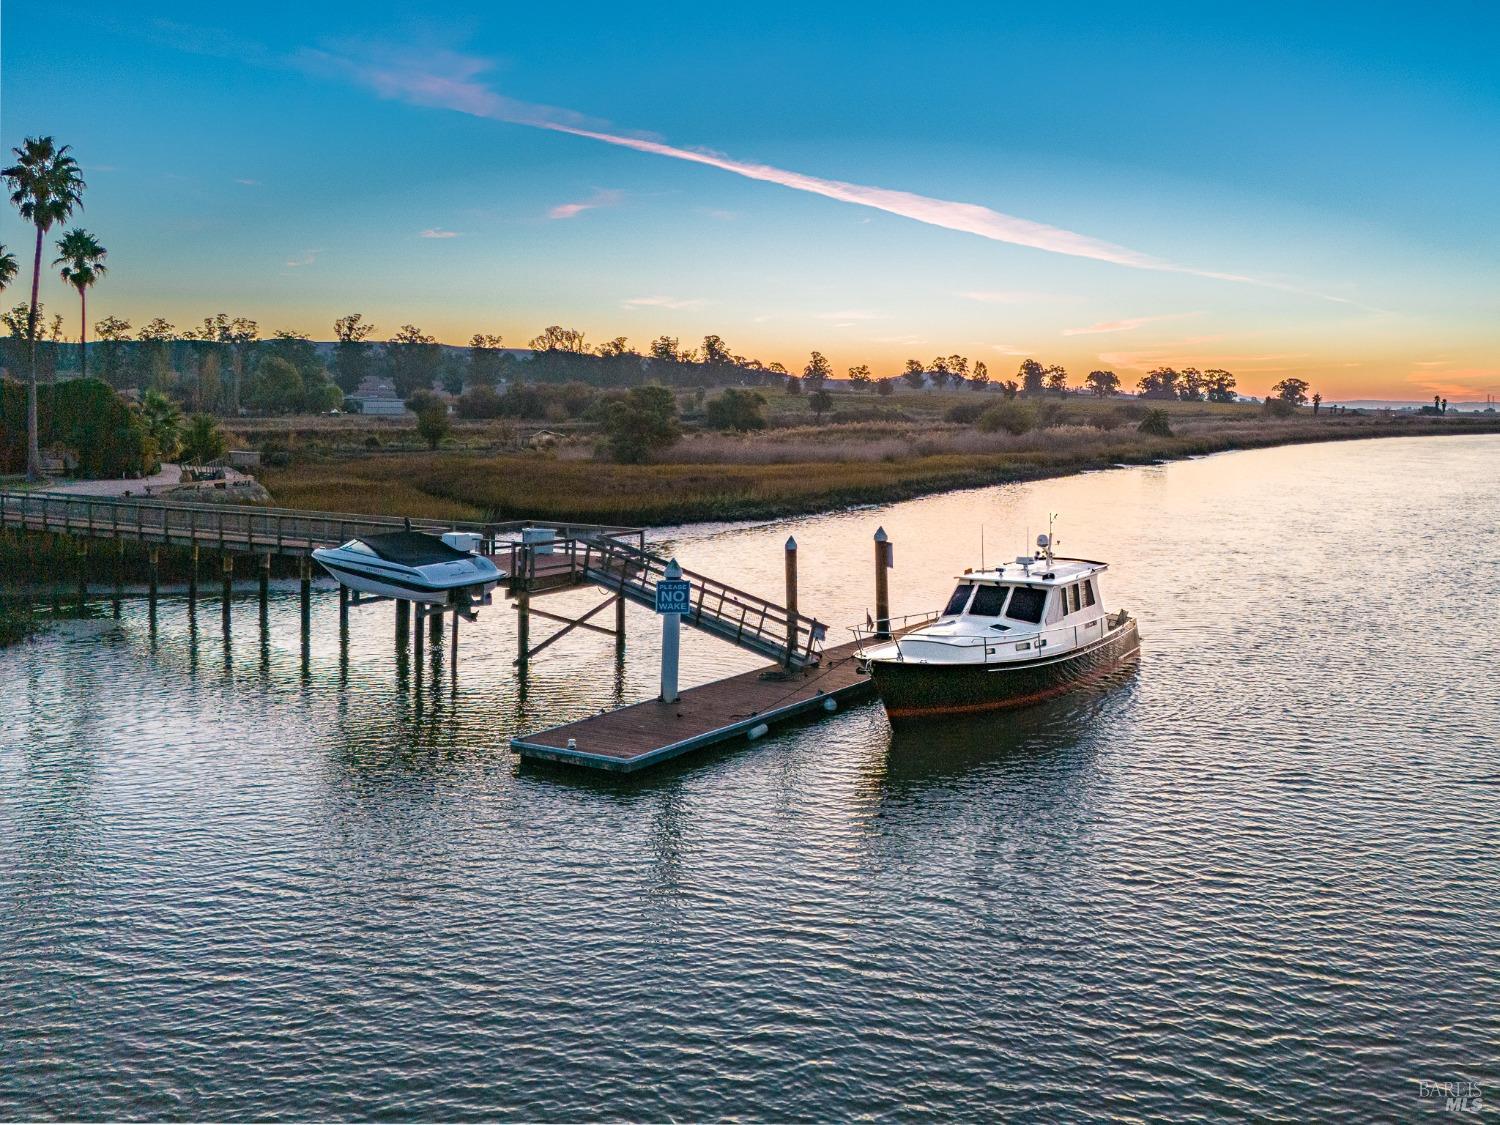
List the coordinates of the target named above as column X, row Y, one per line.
column 783, row 471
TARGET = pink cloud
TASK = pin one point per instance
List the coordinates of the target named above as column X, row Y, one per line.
column 600, row 198
column 438, row 232
column 448, row 80
column 1130, row 324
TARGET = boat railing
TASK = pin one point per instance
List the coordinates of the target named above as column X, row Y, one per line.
column 1039, row 638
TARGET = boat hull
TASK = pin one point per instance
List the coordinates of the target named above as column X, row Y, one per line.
column 404, row 584
column 915, row 690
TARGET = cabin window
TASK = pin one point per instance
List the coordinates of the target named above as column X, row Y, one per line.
column 988, row 601
column 1073, row 598
column 357, row 547
column 1057, row 606
column 1088, row 592
column 957, row 602
column 1026, row 604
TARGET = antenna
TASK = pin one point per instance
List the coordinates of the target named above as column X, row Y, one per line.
column 981, row 546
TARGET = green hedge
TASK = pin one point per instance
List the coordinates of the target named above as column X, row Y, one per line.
column 84, row 416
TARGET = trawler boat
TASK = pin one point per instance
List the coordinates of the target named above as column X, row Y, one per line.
column 411, row 566
column 1008, row 636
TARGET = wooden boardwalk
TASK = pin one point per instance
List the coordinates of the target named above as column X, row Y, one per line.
column 646, row 733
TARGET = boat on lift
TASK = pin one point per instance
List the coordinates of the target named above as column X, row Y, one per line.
column 1007, row 636
column 413, row 566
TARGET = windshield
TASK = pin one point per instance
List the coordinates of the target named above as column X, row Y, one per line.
column 957, row 602
column 988, row 601
column 1026, row 605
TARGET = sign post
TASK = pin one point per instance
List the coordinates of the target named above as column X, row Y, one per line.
column 674, row 597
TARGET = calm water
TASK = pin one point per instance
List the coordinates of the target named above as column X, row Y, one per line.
column 1257, row 875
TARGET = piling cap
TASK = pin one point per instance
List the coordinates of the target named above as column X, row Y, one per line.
column 673, row 570
column 791, row 543
column 880, row 535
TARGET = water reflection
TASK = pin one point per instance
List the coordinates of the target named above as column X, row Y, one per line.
column 1048, row 740
column 1077, row 908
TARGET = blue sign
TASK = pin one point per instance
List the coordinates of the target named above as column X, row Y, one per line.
column 673, row 595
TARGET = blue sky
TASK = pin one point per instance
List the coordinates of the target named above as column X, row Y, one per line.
column 499, row 168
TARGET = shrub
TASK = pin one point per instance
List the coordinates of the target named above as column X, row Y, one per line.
column 1010, row 415
column 965, row 413
column 85, row 415
column 1278, row 408
column 641, row 422
column 202, row 440
column 432, row 416
column 1133, row 411
column 1156, row 424
column 1050, row 414
column 736, row 410
column 1107, row 420
column 480, row 402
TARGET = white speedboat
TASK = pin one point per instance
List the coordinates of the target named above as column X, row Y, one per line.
column 410, row 566
column 1008, row 636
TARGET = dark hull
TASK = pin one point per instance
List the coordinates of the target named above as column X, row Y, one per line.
column 913, row 690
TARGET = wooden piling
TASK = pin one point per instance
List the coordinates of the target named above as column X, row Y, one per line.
column 791, row 600
column 435, row 626
column 304, row 592
column 619, row 622
column 882, row 583
column 193, row 576
column 119, row 573
column 419, row 638
column 403, row 623
column 228, row 565
column 83, row 574
column 452, row 647
column 153, row 555
column 343, row 613
column 263, row 580
column 523, row 629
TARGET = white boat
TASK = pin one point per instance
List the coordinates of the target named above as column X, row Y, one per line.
column 1008, row 636
column 410, row 566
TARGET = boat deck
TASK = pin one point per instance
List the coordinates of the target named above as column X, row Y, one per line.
column 642, row 734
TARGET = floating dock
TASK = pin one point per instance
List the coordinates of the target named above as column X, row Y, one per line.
column 739, row 707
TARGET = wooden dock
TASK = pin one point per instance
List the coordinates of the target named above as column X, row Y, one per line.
column 643, row 734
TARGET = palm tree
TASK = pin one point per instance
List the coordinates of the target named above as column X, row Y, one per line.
column 45, row 187
column 8, row 267
column 82, row 261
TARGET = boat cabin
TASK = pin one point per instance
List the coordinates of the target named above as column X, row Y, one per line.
column 1022, row 611
column 1028, row 593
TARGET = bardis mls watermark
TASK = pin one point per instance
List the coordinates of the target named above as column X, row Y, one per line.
column 1456, row 1097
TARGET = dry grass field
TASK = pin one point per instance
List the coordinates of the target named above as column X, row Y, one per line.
column 795, row 465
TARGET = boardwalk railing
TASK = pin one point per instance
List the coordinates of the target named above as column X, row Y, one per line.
column 240, row 527
column 742, row 618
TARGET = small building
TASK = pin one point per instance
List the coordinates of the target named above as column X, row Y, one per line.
column 385, row 407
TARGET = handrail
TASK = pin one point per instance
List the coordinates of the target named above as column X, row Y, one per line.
column 251, row 524
column 717, row 602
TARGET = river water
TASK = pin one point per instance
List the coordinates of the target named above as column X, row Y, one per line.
column 1256, row 875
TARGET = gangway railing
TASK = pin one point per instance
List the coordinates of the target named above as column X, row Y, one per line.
column 742, row 618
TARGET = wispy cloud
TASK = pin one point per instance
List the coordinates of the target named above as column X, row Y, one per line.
column 438, row 232
column 1004, row 296
column 848, row 315
column 308, row 258
column 664, row 303
column 601, row 198
column 248, row 183
column 1159, row 357
column 1010, row 349
column 449, row 80
column 1129, row 324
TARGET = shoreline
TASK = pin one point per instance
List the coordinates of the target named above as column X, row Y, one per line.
column 677, row 494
